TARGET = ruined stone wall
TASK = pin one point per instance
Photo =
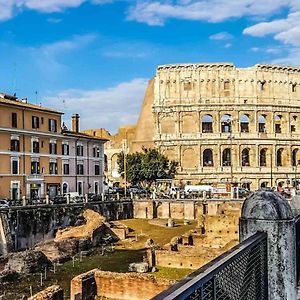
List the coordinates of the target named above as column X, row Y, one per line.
column 53, row 292
column 28, row 226
column 126, row 286
column 261, row 104
column 184, row 209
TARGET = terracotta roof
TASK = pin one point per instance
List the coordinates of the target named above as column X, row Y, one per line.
column 19, row 103
column 83, row 135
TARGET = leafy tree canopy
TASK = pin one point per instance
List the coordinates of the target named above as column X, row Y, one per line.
column 143, row 168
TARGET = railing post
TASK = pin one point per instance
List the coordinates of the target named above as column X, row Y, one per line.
column 24, row 201
column 267, row 211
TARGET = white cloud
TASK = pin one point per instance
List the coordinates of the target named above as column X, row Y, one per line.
column 9, row 7
column 221, row 36
column 157, row 12
column 103, row 107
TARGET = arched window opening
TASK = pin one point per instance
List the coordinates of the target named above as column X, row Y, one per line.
column 262, row 85
column 64, row 188
column 278, row 124
column 295, row 161
column 279, row 157
column 263, row 158
column 245, row 157
column 244, row 121
column 262, row 124
column 226, row 123
column 207, row 124
column 294, row 87
column 208, row 158
column 264, row 184
column 226, row 157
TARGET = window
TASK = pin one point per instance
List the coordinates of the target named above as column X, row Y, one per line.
column 245, row 157
column 294, row 157
column 293, row 128
column 80, row 187
column 262, row 85
column 244, row 121
column 97, row 170
column 279, row 157
column 207, row 124
column 105, row 163
column 53, row 168
column 35, row 167
column 15, row 166
column 226, row 123
column 96, row 151
column 187, row 86
column 294, row 87
column 278, row 124
column 96, row 187
column 263, row 158
column 208, row 158
column 65, row 188
column 66, row 168
column 35, row 122
column 262, row 124
column 52, row 125
column 65, row 149
column 226, row 85
column 52, row 148
column 14, row 120
column 79, row 150
column 15, row 145
column 79, row 169
column 226, row 157
column 35, row 147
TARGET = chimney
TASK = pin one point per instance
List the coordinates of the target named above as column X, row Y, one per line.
column 75, row 123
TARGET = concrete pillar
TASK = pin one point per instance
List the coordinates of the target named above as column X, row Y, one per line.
column 102, row 196
column 68, row 198
column 269, row 212
column 47, row 199
column 86, row 196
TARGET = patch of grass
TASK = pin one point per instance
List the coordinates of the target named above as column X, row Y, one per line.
column 117, row 261
column 172, row 273
column 161, row 235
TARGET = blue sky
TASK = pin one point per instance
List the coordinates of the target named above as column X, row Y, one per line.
column 96, row 56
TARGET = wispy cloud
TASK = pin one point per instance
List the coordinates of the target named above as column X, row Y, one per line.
column 221, row 36
column 10, row 7
column 103, row 107
column 157, row 12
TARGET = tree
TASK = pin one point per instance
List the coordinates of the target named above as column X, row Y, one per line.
column 143, row 168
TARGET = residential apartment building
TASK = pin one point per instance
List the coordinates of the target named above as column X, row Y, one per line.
column 31, row 152
column 82, row 161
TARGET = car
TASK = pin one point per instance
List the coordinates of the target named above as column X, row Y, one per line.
column 4, row 203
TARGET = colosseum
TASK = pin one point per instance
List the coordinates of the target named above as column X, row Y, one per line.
column 223, row 123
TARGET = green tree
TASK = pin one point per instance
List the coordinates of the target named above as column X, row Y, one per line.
column 143, row 168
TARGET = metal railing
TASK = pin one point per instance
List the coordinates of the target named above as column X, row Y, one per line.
column 297, row 229
column 240, row 273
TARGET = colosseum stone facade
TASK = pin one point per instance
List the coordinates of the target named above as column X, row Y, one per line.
column 223, row 123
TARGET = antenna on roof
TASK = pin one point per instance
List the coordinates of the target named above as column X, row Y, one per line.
column 36, row 97
column 15, row 79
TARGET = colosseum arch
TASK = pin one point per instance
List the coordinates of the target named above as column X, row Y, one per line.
column 226, row 123
column 263, row 157
column 295, row 157
column 262, row 123
column 226, row 157
column 246, row 157
column 208, row 159
column 189, row 159
column 189, row 123
column 167, row 125
column 279, row 157
column 278, row 123
column 244, row 121
column 207, row 124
